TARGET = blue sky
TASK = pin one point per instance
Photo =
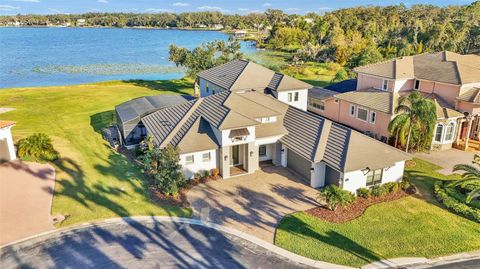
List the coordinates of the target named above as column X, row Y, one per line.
column 10, row 7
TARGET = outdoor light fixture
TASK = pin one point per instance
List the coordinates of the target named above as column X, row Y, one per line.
column 366, row 170
column 282, row 150
column 311, row 168
column 225, row 157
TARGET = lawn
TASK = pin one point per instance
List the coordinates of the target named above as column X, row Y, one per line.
column 409, row 226
column 93, row 181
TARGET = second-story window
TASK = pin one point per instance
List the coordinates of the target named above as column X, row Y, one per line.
column 385, row 85
column 290, row 97
column 352, row 110
column 296, row 97
column 362, row 114
column 373, row 117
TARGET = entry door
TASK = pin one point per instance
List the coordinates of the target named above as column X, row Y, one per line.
column 235, row 160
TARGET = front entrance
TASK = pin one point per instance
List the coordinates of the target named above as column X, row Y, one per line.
column 235, row 153
column 237, row 160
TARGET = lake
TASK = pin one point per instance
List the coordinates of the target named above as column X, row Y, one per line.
column 65, row 56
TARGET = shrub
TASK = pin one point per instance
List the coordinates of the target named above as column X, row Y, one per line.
column 391, row 186
column 214, row 172
column 197, row 175
column 37, row 147
column 205, row 173
column 405, row 184
column 455, row 205
column 364, row 193
column 334, row 197
column 379, row 190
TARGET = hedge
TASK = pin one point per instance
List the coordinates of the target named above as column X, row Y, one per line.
column 455, row 205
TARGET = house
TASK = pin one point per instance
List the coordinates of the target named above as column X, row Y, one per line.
column 451, row 80
column 239, row 34
column 7, row 149
column 81, row 22
column 241, row 120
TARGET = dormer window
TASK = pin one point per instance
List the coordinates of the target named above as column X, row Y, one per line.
column 417, row 85
column 385, row 85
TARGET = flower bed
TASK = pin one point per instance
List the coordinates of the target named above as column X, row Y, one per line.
column 355, row 209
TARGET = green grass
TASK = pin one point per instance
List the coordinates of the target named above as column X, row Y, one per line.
column 93, row 181
column 410, row 226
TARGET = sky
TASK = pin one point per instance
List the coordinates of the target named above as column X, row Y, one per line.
column 12, row 7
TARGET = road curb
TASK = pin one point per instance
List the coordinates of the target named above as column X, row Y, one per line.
column 151, row 219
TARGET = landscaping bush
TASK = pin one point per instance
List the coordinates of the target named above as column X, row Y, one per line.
column 455, row 205
column 379, row 190
column 335, row 196
column 391, row 186
column 364, row 193
column 405, row 184
column 197, row 175
column 214, row 172
column 37, row 147
column 205, row 173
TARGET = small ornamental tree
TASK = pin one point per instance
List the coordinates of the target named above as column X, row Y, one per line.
column 335, row 196
column 37, row 147
column 163, row 166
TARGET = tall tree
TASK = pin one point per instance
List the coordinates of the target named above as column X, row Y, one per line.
column 414, row 122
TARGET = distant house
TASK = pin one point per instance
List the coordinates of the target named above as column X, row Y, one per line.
column 81, row 22
column 239, row 34
column 451, row 80
column 7, row 149
column 247, row 115
column 217, row 26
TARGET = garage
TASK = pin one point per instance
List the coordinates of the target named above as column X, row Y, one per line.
column 299, row 164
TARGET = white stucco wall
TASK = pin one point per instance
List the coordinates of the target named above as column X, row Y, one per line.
column 317, row 179
column 302, row 98
column 189, row 170
column 356, row 179
column 7, row 149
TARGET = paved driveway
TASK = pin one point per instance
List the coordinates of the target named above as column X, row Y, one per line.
column 26, row 191
column 252, row 203
column 447, row 159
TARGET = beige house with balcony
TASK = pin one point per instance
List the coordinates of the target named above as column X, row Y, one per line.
column 451, row 80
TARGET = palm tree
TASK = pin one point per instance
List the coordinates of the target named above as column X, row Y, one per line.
column 414, row 122
column 470, row 178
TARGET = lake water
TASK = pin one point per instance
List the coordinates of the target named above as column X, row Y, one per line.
column 64, row 56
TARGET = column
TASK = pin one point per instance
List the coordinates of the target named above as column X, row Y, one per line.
column 224, row 162
column 252, row 157
column 469, row 127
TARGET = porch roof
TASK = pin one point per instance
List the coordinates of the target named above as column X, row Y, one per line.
column 238, row 132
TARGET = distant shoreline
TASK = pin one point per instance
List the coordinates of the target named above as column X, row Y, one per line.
column 126, row 27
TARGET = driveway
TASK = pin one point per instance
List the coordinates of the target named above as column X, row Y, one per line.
column 447, row 159
column 252, row 203
column 143, row 244
column 26, row 191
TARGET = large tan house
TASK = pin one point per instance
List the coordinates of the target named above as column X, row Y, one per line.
column 248, row 115
column 451, row 80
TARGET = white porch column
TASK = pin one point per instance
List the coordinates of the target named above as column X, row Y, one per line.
column 469, row 128
column 284, row 156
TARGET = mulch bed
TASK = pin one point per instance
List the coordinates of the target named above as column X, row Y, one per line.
column 181, row 198
column 354, row 210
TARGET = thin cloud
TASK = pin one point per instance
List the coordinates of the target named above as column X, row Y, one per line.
column 28, row 1
column 103, row 1
column 54, row 10
column 157, row 10
column 180, row 4
column 243, row 9
column 324, row 8
column 267, row 5
column 293, row 9
column 7, row 8
column 212, row 8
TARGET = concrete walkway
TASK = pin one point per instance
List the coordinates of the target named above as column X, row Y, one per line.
column 447, row 159
column 26, row 191
column 252, row 203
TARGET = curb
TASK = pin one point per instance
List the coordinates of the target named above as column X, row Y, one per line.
column 151, row 219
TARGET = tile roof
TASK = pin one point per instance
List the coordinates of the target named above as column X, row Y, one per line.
column 472, row 95
column 247, row 75
column 445, row 66
column 321, row 93
column 372, row 98
column 6, row 123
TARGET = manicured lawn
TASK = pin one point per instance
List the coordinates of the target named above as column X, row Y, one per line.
column 93, row 182
column 409, row 226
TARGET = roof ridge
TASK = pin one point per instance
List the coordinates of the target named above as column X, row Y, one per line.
column 187, row 115
column 240, row 95
column 239, row 74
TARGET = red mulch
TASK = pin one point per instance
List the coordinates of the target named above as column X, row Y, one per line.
column 354, row 210
column 181, row 198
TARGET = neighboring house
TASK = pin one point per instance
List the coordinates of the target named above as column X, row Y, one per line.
column 241, row 123
column 241, row 75
column 7, row 149
column 450, row 79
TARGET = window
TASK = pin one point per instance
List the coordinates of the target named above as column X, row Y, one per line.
column 207, row 88
column 374, row 177
column 206, row 157
column 289, row 97
column 296, row 97
column 316, row 104
column 352, row 110
column 417, row 85
column 385, row 85
column 449, row 132
column 189, row 159
column 262, row 150
column 373, row 117
column 362, row 114
column 438, row 133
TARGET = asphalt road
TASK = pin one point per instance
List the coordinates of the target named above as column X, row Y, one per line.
column 471, row 264
column 137, row 245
